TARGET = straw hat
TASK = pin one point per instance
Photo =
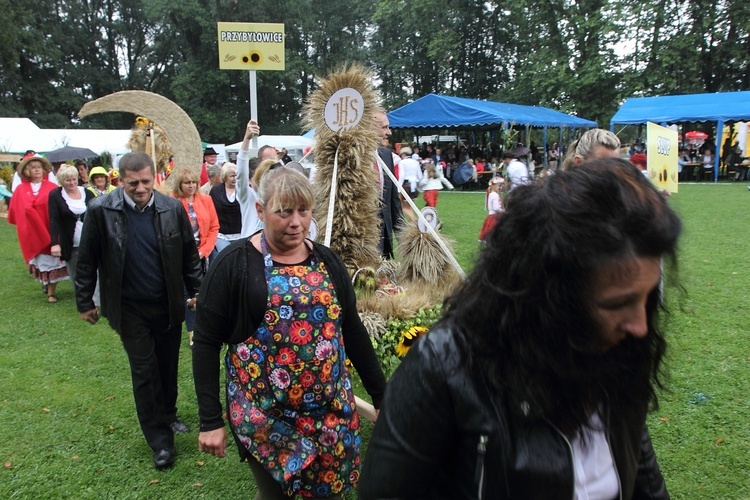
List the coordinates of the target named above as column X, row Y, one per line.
column 41, row 159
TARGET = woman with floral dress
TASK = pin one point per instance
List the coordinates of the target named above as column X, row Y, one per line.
column 286, row 309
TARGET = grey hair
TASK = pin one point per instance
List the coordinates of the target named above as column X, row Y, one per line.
column 226, row 169
column 213, row 171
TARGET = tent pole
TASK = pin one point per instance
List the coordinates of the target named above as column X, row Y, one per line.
column 544, row 149
column 717, row 146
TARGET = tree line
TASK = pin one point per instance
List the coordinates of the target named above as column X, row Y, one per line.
column 582, row 57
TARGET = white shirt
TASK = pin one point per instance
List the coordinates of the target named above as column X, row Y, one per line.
column 78, row 207
column 518, row 174
column 246, row 195
column 595, row 475
column 409, row 170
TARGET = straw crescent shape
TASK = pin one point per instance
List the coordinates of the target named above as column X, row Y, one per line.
column 179, row 128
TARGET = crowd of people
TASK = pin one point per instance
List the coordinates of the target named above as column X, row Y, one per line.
column 545, row 391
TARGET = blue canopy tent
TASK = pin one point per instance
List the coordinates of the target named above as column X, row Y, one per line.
column 718, row 107
column 438, row 111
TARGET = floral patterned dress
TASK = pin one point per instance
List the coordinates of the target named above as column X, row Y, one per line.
column 290, row 396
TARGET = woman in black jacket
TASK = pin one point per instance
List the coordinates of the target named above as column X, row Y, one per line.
column 537, row 382
column 67, row 209
column 227, row 207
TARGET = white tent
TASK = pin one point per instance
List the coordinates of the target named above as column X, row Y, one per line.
column 278, row 141
column 20, row 134
column 17, row 135
column 97, row 140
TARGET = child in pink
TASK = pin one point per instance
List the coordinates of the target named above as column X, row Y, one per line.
column 494, row 205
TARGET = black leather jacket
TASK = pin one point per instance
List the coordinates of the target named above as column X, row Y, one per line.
column 442, row 433
column 103, row 245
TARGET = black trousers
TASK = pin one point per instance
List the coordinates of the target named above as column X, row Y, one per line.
column 153, row 349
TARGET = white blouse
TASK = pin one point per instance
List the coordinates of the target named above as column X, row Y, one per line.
column 78, row 207
column 595, row 474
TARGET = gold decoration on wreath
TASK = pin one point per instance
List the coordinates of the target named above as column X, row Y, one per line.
column 147, row 137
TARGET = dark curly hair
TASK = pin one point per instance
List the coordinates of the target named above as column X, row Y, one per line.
column 525, row 315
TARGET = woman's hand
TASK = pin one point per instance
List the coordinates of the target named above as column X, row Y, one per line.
column 55, row 250
column 252, row 129
column 213, row 442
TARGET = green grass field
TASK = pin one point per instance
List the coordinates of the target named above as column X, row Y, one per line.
column 68, row 426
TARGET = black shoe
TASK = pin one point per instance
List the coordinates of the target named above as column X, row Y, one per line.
column 179, row 427
column 163, row 459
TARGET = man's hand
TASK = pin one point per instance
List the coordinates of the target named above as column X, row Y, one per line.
column 213, row 442
column 91, row 316
column 191, row 303
column 252, row 129
column 55, row 250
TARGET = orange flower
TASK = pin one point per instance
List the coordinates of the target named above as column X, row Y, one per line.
column 295, row 392
column 305, row 425
column 300, row 332
column 329, row 329
column 314, row 278
column 325, row 297
column 331, row 420
column 286, row 356
column 328, row 476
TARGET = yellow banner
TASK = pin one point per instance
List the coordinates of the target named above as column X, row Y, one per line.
column 256, row 46
column 662, row 152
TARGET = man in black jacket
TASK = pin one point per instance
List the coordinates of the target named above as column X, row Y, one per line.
column 142, row 246
column 390, row 211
